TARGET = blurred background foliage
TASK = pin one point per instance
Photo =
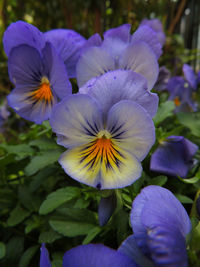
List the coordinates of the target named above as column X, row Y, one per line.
column 38, row 202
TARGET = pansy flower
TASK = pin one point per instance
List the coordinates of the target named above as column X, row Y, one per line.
column 120, row 50
column 118, row 85
column 91, row 255
column 104, row 150
column 173, row 156
column 67, row 43
column 181, row 89
column 40, row 80
column 160, row 224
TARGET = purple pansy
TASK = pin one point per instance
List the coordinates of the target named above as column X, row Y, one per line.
column 91, row 255
column 104, row 150
column 40, row 81
column 173, row 156
column 120, row 50
column 181, row 89
column 118, row 85
column 160, row 224
column 67, row 43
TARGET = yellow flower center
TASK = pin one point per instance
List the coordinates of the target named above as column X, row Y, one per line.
column 44, row 91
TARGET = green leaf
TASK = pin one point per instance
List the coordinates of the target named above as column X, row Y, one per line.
column 44, row 144
column 21, row 150
column 57, row 198
column 17, row 216
column 2, row 250
column 91, row 235
column 14, row 249
column 27, row 256
column 190, row 120
column 80, row 215
column 48, row 236
column 190, row 180
column 165, row 110
column 159, row 180
column 71, row 228
column 41, row 161
column 28, row 200
column 184, row 199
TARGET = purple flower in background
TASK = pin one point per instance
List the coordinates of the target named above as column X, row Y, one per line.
column 91, row 255
column 190, row 76
column 104, row 150
column 181, row 89
column 67, row 43
column 118, row 85
column 40, row 81
column 173, row 156
column 157, row 27
column 160, row 224
column 163, row 78
column 120, row 50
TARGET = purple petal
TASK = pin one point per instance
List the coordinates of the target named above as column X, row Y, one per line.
column 190, row 76
column 94, row 40
column 76, row 120
column 147, row 35
column 95, row 255
column 114, row 47
column 55, row 69
column 122, row 32
column 68, row 44
column 130, row 248
column 118, row 85
column 163, row 78
column 106, row 208
column 131, row 128
column 93, row 63
column 21, row 32
column 156, row 25
column 167, row 246
column 139, row 58
column 25, row 66
column 157, row 206
column 44, row 257
column 173, row 157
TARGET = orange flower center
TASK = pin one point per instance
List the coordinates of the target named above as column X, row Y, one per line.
column 44, row 91
column 177, row 101
column 103, row 150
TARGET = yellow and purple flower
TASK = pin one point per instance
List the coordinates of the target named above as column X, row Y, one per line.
column 104, row 150
column 40, row 80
